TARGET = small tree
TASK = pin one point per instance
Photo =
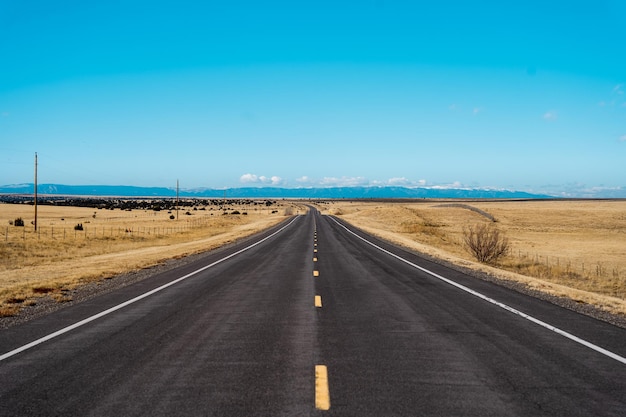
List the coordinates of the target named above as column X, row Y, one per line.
column 485, row 243
column 19, row 222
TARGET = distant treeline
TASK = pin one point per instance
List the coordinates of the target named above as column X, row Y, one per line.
column 155, row 204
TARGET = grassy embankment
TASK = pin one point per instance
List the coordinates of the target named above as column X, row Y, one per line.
column 57, row 258
column 574, row 249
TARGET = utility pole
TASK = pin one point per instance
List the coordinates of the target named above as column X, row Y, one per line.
column 35, row 223
column 176, row 199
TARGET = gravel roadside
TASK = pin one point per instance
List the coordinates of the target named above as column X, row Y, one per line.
column 582, row 308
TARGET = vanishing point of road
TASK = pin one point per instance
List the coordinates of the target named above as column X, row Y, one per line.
column 313, row 317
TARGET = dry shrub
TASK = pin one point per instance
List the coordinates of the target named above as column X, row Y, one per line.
column 485, row 242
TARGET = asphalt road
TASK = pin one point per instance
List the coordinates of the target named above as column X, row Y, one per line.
column 313, row 320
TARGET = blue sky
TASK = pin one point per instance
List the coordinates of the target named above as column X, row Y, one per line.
column 515, row 95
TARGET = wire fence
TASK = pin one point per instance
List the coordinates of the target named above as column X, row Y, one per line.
column 87, row 231
column 605, row 277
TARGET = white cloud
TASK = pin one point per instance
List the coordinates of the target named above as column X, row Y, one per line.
column 622, row 138
column 578, row 190
column 359, row 182
column 404, row 182
column 248, row 178
column 455, row 184
column 617, row 95
column 550, row 115
column 398, row 181
column 477, row 110
column 262, row 179
column 452, row 107
column 343, row 182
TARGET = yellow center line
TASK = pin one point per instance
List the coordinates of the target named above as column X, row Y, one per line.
column 314, row 259
column 316, row 273
column 322, row 394
column 315, row 250
column 318, row 301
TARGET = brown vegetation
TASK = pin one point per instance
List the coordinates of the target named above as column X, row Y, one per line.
column 485, row 243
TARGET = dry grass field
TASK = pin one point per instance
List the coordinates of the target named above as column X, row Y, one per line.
column 575, row 249
column 57, row 258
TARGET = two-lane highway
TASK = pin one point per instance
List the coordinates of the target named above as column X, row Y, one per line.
column 313, row 318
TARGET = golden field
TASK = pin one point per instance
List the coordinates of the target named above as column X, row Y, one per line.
column 57, row 257
column 575, row 249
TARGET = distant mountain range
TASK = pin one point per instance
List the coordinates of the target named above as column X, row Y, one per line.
column 268, row 192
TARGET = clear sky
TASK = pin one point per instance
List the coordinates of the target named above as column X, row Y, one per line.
column 522, row 95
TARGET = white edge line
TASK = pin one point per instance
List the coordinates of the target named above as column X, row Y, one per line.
column 134, row 300
column 497, row 303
